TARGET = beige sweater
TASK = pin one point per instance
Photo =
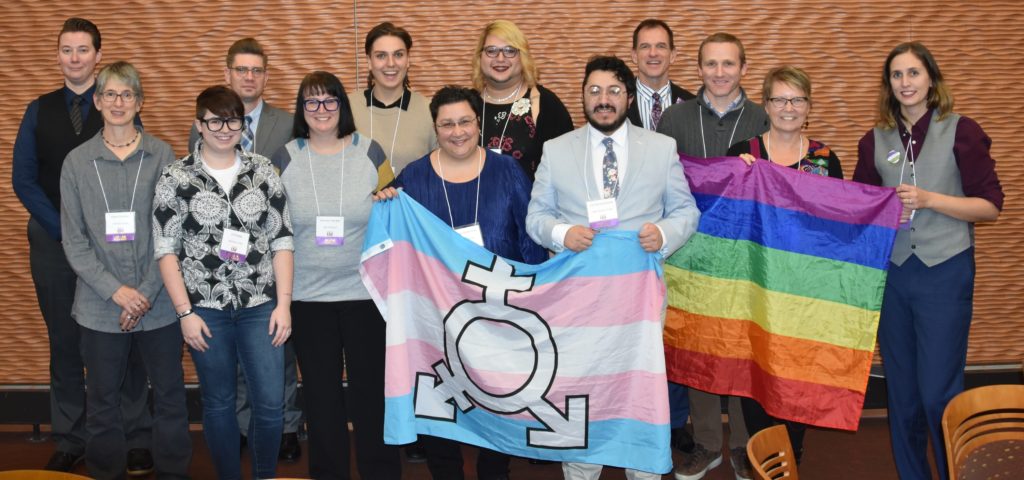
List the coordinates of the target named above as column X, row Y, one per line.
column 415, row 137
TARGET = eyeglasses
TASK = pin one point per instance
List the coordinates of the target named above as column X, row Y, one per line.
column 463, row 124
column 507, row 51
column 111, row 96
column 780, row 102
column 216, row 124
column 243, row 71
column 330, row 104
column 613, row 91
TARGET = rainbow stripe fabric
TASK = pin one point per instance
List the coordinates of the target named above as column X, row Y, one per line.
column 561, row 361
column 777, row 295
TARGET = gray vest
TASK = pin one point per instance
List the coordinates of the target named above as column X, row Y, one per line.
column 932, row 237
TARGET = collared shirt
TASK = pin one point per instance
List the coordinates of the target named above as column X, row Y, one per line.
column 620, row 146
column 190, row 212
column 254, row 117
column 91, row 172
column 402, row 102
column 645, row 101
column 734, row 105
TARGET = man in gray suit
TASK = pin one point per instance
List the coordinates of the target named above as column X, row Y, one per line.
column 267, row 129
column 610, row 174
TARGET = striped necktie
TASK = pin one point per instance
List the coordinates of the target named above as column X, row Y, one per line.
column 76, row 114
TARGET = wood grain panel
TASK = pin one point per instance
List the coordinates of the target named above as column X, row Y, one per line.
column 179, row 47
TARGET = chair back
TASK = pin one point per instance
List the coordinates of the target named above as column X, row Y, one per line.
column 984, row 432
column 771, row 454
column 39, row 475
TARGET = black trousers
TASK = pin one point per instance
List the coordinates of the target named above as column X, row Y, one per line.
column 444, row 460
column 55, row 291
column 333, row 338
column 108, row 357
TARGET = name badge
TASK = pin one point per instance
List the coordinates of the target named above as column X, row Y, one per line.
column 602, row 213
column 472, row 232
column 330, row 231
column 234, row 245
column 120, row 227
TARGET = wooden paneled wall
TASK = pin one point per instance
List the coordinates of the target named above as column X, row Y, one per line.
column 179, row 47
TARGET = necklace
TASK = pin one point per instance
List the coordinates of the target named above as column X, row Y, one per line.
column 505, row 99
column 111, row 144
column 768, row 148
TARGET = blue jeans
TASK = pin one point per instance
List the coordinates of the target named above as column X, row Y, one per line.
column 240, row 338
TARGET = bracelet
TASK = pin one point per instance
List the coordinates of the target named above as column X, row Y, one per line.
column 185, row 314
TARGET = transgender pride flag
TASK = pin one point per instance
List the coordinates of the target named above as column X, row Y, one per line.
column 777, row 295
column 560, row 361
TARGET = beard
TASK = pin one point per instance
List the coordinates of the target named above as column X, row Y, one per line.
column 606, row 128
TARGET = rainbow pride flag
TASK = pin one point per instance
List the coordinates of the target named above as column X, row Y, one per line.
column 561, row 361
column 777, row 295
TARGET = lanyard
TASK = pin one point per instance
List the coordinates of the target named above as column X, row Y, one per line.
column 341, row 187
column 479, row 168
column 131, row 207
column 394, row 137
column 701, row 118
column 483, row 114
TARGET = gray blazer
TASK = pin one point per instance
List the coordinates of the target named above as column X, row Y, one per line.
column 654, row 189
column 273, row 131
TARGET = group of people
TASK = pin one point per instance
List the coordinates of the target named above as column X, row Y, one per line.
column 230, row 249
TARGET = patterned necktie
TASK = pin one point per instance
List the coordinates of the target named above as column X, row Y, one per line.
column 655, row 110
column 610, row 168
column 247, row 139
column 76, row 114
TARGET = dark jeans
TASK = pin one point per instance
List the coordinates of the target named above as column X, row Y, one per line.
column 330, row 336
column 240, row 338
column 55, row 291
column 108, row 357
column 444, row 460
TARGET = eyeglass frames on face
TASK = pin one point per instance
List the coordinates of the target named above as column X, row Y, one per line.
column 780, row 102
column 216, row 124
column 111, row 96
column 330, row 104
column 507, row 51
column 255, row 71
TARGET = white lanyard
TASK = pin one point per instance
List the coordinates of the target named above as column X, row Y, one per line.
column 131, row 207
column 908, row 155
column 479, row 168
column 483, row 114
column 701, row 118
column 341, row 192
column 394, row 138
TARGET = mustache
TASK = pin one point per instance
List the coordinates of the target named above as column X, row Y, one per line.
column 605, row 105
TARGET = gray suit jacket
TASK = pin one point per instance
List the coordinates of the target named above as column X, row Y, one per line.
column 273, row 131
column 654, row 188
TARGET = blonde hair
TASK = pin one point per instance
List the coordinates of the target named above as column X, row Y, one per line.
column 939, row 96
column 788, row 74
column 510, row 33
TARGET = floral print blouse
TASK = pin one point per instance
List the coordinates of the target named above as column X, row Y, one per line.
column 190, row 212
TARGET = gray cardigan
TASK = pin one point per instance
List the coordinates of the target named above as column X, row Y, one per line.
column 104, row 267
column 683, row 121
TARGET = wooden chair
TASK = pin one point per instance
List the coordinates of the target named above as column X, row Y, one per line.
column 984, row 432
column 39, row 475
column 771, row 454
